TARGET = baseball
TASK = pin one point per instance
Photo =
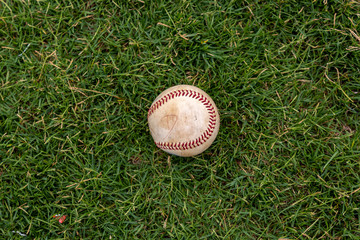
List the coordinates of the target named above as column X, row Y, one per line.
column 183, row 120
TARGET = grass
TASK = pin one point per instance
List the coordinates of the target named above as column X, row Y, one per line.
column 77, row 79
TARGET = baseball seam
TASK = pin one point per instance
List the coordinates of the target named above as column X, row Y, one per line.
column 204, row 136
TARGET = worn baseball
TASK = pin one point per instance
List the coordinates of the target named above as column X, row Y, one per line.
column 183, row 120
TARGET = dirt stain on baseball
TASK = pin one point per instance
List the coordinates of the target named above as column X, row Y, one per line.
column 168, row 122
column 171, row 117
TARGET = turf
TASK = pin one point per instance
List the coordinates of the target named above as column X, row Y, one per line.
column 76, row 81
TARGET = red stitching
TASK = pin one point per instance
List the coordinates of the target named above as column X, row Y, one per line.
column 203, row 137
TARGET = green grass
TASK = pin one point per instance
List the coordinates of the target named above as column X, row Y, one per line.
column 77, row 79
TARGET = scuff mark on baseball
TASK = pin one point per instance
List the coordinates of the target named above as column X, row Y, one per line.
column 183, row 120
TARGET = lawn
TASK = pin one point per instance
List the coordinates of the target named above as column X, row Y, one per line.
column 78, row 77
